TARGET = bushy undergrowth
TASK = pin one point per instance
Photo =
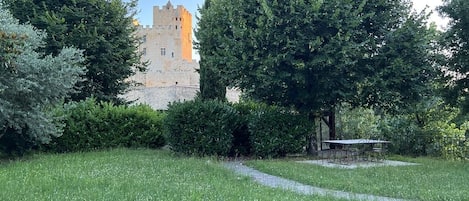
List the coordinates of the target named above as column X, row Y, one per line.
column 90, row 125
column 406, row 137
column 451, row 141
column 200, row 127
column 357, row 122
column 427, row 129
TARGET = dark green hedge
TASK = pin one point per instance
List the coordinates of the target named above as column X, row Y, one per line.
column 200, row 127
column 91, row 125
column 276, row 132
column 242, row 129
column 241, row 136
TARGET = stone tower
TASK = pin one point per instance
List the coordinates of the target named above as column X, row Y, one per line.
column 176, row 25
column 167, row 45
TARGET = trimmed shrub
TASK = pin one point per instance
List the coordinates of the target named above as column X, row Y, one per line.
column 200, row 127
column 146, row 127
column 276, row 132
column 241, row 140
column 90, row 125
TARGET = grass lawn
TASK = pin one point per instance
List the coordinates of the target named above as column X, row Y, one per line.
column 124, row 174
column 433, row 179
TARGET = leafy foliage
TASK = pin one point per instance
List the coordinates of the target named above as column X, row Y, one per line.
column 406, row 136
column 242, row 144
column 455, row 44
column 91, row 125
column 30, row 83
column 210, row 47
column 451, row 142
column 428, row 130
column 241, row 129
column 304, row 54
column 103, row 29
column 356, row 123
column 276, row 132
column 200, row 127
column 402, row 72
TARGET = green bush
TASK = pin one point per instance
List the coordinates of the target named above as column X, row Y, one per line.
column 406, row 137
column 357, row 122
column 200, row 127
column 90, row 125
column 275, row 132
column 428, row 130
column 450, row 142
column 14, row 143
column 242, row 145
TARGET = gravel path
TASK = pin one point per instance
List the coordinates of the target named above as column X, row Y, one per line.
column 278, row 182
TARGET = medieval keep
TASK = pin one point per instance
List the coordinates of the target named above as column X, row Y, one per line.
column 167, row 45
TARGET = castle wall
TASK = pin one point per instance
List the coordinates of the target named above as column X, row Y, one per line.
column 160, row 97
column 167, row 46
column 171, row 74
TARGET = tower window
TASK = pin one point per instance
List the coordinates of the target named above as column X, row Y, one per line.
column 172, row 54
column 144, row 38
column 163, row 51
column 176, row 26
column 144, row 51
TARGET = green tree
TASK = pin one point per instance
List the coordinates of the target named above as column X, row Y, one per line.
column 304, row 54
column 210, row 46
column 102, row 28
column 313, row 55
column 402, row 71
column 455, row 43
column 30, row 83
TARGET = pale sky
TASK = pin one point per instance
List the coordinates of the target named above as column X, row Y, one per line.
column 146, row 10
column 432, row 4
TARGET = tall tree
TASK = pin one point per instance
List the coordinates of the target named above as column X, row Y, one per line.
column 210, row 45
column 102, row 28
column 455, row 42
column 305, row 54
column 313, row 55
column 31, row 81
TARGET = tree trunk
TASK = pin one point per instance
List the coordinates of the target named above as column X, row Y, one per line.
column 330, row 122
column 312, row 146
column 332, row 134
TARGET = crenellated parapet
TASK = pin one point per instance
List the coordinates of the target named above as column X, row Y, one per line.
column 157, row 27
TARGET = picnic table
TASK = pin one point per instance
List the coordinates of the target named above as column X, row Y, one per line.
column 356, row 149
